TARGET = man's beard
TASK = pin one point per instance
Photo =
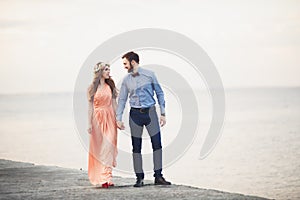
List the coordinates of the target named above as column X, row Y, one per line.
column 130, row 70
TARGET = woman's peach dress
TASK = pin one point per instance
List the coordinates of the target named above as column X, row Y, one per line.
column 103, row 139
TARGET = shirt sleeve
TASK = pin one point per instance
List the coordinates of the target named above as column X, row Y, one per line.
column 122, row 100
column 159, row 94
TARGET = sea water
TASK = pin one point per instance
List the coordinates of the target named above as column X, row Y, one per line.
column 258, row 152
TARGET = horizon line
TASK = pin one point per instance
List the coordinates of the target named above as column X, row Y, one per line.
column 200, row 89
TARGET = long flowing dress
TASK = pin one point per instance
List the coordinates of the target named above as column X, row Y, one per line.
column 103, row 138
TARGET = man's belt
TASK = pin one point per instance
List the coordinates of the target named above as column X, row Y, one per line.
column 142, row 110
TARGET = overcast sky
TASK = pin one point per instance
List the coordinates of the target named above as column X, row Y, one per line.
column 43, row 43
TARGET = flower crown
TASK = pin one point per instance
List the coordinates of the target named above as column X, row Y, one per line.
column 99, row 66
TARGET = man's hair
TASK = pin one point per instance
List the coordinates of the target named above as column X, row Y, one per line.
column 130, row 56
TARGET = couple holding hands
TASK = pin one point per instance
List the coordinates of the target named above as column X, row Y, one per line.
column 105, row 116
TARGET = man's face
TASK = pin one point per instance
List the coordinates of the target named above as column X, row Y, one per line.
column 127, row 65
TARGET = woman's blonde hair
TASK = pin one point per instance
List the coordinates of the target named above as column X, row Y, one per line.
column 98, row 71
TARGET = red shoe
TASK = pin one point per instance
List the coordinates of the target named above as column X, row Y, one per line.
column 111, row 184
column 105, row 185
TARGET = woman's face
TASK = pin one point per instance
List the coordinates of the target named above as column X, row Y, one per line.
column 106, row 72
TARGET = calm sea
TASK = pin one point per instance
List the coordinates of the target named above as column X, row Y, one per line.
column 258, row 152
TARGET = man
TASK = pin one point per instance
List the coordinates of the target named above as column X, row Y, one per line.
column 141, row 84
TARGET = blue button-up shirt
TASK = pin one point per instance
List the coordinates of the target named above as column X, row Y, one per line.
column 141, row 89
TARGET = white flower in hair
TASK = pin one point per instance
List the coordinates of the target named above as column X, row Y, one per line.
column 97, row 68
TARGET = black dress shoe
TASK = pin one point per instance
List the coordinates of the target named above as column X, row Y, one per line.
column 139, row 183
column 161, row 181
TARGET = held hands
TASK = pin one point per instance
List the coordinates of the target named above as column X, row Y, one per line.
column 120, row 125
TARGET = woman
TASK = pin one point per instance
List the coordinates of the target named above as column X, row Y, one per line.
column 102, row 126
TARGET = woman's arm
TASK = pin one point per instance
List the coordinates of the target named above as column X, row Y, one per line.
column 90, row 116
column 114, row 99
column 114, row 104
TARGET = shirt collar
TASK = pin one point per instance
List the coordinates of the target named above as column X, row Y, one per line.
column 137, row 73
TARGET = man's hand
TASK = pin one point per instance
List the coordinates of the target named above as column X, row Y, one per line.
column 162, row 121
column 120, row 125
